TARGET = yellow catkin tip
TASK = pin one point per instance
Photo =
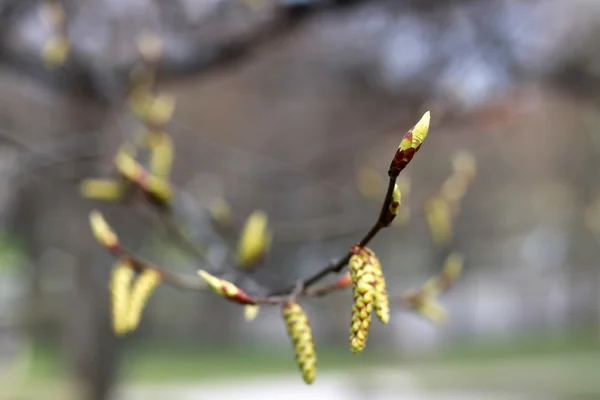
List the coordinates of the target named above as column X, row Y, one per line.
column 55, row 51
column 420, row 130
column 162, row 154
column 102, row 189
column 160, row 110
column 120, row 288
column 300, row 333
column 102, row 231
column 432, row 310
column 255, row 240
column 251, row 312
column 142, row 289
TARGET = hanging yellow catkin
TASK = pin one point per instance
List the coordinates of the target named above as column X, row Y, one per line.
column 120, row 289
column 382, row 302
column 140, row 293
column 298, row 328
column 363, row 283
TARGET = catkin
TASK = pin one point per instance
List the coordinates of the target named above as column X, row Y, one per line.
column 363, row 283
column 140, row 293
column 298, row 328
column 120, row 289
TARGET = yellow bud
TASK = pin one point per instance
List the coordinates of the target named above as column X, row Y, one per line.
column 142, row 289
column 225, row 288
column 102, row 189
column 161, row 158
column 251, row 312
column 298, row 328
column 415, row 137
column 394, row 207
column 409, row 146
column 255, row 240
column 120, row 288
column 102, row 231
column 56, row 51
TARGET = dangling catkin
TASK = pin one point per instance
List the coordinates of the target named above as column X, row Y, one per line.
column 363, row 283
column 298, row 328
column 140, row 293
column 120, row 289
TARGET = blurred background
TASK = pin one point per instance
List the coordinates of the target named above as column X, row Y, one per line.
column 296, row 108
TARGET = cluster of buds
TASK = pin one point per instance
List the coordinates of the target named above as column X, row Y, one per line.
column 56, row 48
column 154, row 111
column 443, row 207
column 369, row 291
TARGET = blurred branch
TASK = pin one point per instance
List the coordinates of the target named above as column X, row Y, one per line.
column 188, row 52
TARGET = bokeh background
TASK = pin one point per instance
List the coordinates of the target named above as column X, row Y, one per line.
column 300, row 119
